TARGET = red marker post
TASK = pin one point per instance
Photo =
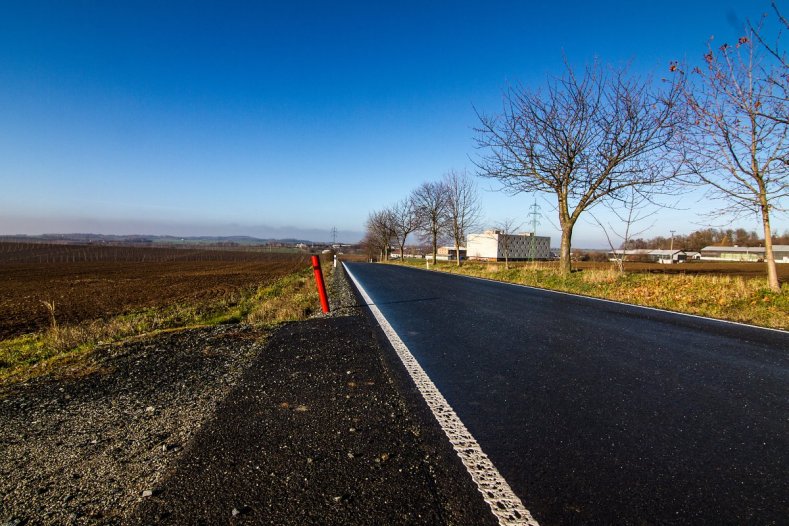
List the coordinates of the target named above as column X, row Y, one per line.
column 316, row 268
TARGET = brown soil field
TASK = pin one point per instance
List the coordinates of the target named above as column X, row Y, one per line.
column 90, row 283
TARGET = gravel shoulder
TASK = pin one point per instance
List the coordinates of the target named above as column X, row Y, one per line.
column 317, row 425
column 81, row 450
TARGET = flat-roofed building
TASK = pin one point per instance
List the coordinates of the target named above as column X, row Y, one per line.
column 649, row 255
column 494, row 245
column 713, row 253
column 447, row 253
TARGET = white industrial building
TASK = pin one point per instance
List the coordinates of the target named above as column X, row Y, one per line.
column 651, row 255
column 447, row 253
column 493, row 245
column 713, row 253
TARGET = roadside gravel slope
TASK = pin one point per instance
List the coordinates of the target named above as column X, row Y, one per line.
column 81, row 450
column 316, row 426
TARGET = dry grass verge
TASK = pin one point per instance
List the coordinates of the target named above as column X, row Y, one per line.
column 734, row 298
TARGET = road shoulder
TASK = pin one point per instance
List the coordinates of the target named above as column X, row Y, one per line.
column 317, row 432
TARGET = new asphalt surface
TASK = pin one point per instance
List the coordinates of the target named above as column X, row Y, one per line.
column 598, row 412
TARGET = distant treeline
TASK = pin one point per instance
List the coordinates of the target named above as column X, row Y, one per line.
column 699, row 239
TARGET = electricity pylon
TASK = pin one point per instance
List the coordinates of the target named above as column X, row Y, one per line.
column 534, row 213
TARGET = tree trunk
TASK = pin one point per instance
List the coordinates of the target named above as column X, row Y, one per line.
column 457, row 251
column 435, row 248
column 769, row 257
column 402, row 252
column 565, row 265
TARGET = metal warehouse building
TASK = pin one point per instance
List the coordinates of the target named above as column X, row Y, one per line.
column 491, row 245
column 781, row 253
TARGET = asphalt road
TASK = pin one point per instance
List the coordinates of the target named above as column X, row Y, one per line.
column 602, row 413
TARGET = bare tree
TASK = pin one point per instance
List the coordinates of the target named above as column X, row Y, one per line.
column 777, row 71
column 737, row 139
column 507, row 227
column 404, row 221
column 370, row 246
column 632, row 209
column 463, row 208
column 583, row 139
column 380, row 232
column 430, row 203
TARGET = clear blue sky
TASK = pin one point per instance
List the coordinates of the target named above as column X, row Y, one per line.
column 286, row 119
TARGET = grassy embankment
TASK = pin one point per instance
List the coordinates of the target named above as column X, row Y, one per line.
column 735, row 298
column 62, row 348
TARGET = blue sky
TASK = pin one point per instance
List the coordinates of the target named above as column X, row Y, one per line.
column 286, row 119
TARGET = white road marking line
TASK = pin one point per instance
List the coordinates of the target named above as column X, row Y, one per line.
column 782, row 331
column 504, row 504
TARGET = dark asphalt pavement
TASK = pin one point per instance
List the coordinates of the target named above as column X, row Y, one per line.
column 603, row 413
column 316, row 433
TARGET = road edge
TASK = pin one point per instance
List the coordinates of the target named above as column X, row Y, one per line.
column 504, row 504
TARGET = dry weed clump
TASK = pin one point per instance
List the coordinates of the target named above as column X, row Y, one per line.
column 293, row 297
column 610, row 275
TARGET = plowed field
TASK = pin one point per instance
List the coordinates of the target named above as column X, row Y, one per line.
column 89, row 283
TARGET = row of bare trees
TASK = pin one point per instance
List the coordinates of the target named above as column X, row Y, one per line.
column 607, row 137
column 436, row 210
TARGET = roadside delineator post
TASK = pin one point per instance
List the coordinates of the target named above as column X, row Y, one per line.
column 316, row 269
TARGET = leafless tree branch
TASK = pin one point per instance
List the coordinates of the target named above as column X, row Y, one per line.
column 736, row 137
column 582, row 138
column 463, row 207
column 430, row 202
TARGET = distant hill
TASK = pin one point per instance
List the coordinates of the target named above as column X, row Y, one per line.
column 156, row 240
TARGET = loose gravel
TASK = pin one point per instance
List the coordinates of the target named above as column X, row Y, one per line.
column 84, row 450
column 343, row 298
